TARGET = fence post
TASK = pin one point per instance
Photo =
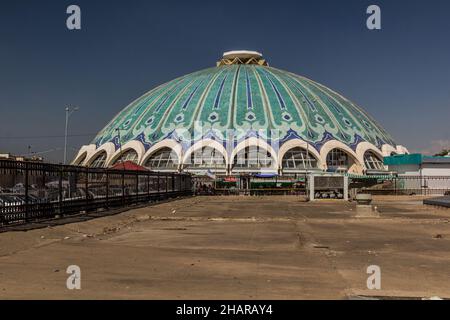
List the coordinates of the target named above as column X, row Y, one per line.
column 123, row 188
column 167, row 183
column 148, row 186
column 26, row 192
column 107, row 189
column 173, row 182
column 87, row 188
column 137, row 187
column 425, row 185
column 395, row 186
column 60, row 192
column 157, row 184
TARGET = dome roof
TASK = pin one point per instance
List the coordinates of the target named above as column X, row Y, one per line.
column 245, row 97
column 243, row 94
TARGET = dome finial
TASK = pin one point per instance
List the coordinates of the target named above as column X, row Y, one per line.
column 242, row 57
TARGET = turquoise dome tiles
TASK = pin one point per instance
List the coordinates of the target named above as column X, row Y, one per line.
column 247, row 98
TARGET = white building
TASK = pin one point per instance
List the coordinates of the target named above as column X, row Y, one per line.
column 421, row 171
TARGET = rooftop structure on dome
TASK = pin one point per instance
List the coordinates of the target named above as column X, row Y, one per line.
column 243, row 116
column 242, row 57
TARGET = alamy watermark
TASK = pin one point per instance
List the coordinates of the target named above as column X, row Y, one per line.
column 374, row 280
column 73, row 21
column 374, row 20
column 74, row 280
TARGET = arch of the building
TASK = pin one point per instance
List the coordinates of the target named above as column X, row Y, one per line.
column 164, row 159
column 167, row 143
column 85, row 152
column 127, row 155
column 173, row 145
column 253, row 158
column 210, row 149
column 80, row 159
column 127, row 148
column 99, row 160
column 108, row 148
column 298, row 160
column 297, row 143
column 373, row 161
column 260, row 144
column 363, row 148
column 354, row 165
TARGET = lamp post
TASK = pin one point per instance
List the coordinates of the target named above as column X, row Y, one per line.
column 69, row 111
column 120, row 148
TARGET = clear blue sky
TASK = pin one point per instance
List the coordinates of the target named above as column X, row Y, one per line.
column 400, row 74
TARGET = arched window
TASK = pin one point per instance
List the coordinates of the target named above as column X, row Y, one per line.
column 206, row 157
column 80, row 160
column 129, row 155
column 372, row 161
column 252, row 157
column 99, row 161
column 299, row 159
column 164, row 158
column 337, row 158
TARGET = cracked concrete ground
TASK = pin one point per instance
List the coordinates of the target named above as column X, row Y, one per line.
column 235, row 248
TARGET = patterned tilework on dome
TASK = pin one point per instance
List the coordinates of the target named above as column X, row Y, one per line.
column 246, row 98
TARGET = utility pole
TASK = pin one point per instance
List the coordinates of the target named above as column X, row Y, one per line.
column 120, row 148
column 69, row 111
column 123, row 165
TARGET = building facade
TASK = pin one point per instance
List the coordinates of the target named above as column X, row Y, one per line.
column 418, row 165
column 416, row 171
column 242, row 117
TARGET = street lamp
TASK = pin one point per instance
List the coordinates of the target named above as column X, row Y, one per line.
column 120, row 146
column 69, row 111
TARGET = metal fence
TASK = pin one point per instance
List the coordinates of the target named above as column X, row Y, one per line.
column 31, row 191
column 247, row 184
column 376, row 185
column 403, row 185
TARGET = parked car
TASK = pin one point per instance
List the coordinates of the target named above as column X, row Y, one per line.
column 10, row 200
column 17, row 199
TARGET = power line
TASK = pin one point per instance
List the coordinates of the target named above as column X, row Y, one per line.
column 42, row 152
column 48, row 137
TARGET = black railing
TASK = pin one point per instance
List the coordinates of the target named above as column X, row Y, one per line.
column 31, row 191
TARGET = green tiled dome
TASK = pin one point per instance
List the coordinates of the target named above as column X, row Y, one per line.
column 246, row 98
